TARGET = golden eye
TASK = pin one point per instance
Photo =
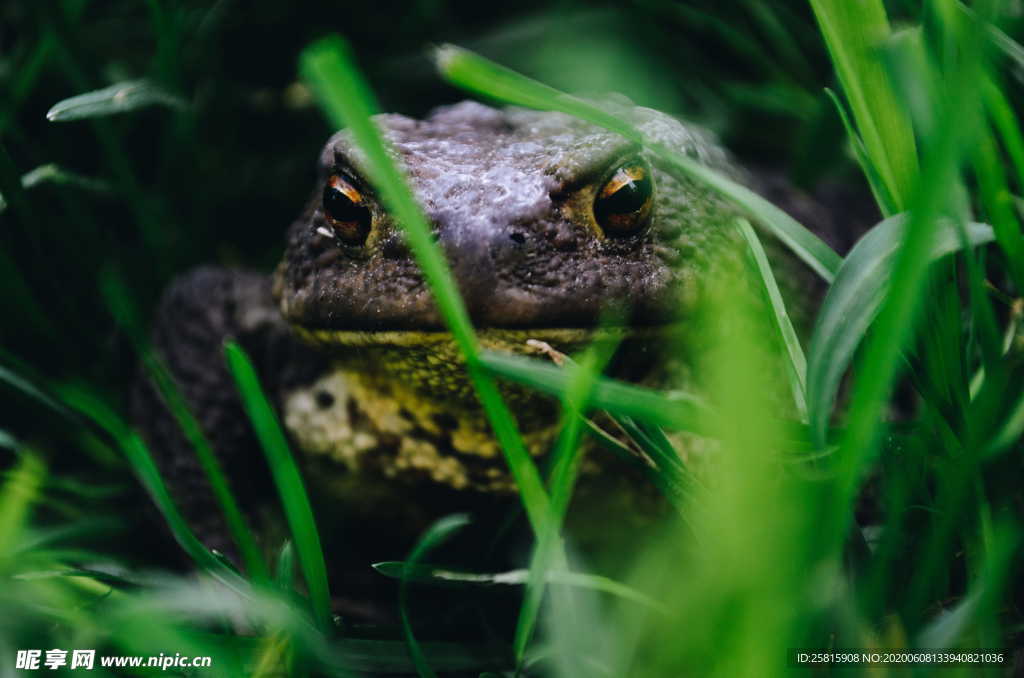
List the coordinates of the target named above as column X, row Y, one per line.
column 624, row 202
column 346, row 211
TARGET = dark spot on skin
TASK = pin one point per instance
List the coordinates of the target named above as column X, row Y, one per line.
column 405, row 415
column 395, row 248
column 518, row 238
column 479, row 469
column 324, row 399
column 354, row 415
column 445, row 421
column 374, row 460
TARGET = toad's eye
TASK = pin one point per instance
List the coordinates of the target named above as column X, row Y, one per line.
column 346, row 210
column 624, row 202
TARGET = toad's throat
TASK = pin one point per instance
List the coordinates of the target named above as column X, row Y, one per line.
column 400, row 402
column 506, row 339
column 432, row 363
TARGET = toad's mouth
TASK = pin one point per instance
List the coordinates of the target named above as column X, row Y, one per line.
column 431, row 363
column 517, row 340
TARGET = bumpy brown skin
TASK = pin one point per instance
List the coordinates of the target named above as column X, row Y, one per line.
column 510, row 195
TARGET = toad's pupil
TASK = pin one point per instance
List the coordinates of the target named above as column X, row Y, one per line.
column 344, row 210
column 340, row 207
column 634, row 189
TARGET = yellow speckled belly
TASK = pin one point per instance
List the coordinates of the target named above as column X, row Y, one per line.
column 400, row 405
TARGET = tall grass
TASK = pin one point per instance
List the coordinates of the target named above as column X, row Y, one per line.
column 877, row 505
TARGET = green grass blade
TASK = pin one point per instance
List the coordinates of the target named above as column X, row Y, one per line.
column 670, row 474
column 682, row 412
column 878, row 188
column 853, row 302
column 853, row 32
column 24, row 80
column 119, row 301
column 984, row 329
column 1004, row 118
column 474, row 73
column 327, row 66
column 575, row 401
column 797, row 365
column 18, row 383
column 17, row 496
column 984, row 600
column 434, row 574
column 142, row 463
column 120, row 98
column 565, row 466
column 287, row 479
column 51, row 173
column 193, row 432
column 1010, row 431
column 1007, row 45
column 938, row 191
column 999, row 207
column 284, row 573
column 548, row 556
column 436, row 534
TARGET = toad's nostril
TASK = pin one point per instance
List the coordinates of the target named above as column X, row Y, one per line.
column 395, row 248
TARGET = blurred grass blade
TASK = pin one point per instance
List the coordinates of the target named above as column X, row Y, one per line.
column 51, row 173
column 284, row 573
column 854, row 300
column 435, row 535
column 54, row 174
column 327, row 67
column 390, row 657
column 565, row 466
column 999, row 207
column 17, row 495
column 287, row 479
column 119, row 301
column 853, row 33
column 24, row 386
column 878, row 188
column 797, row 364
column 670, row 474
column 472, row 72
column 142, row 463
column 984, row 601
column 938, row 192
column 548, row 556
column 682, row 413
column 434, row 574
column 120, row 98
column 1007, row 45
column 1011, row 430
column 575, row 400
column 1004, row 118
column 193, row 432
